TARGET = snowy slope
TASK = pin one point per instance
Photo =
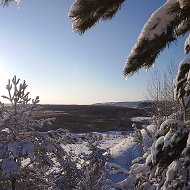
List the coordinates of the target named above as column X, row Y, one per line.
column 122, row 148
column 122, row 154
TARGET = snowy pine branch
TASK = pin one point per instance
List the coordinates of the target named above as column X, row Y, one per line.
column 157, row 33
column 6, row 2
column 86, row 14
column 187, row 45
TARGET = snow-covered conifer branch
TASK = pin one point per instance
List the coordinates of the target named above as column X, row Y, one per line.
column 181, row 79
column 183, row 3
column 187, row 45
column 86, row 14
column 156, row 34
column 182, row 85
column 183, row 27
column 6, row 2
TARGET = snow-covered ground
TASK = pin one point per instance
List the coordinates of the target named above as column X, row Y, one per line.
column 120, row 144
column 109, row 140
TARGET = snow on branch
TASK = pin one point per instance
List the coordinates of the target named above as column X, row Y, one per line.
column 184, row 3
column 86, row 13
column 158, row 32
column 183, row 27
column 115, row 168
column 187, row 45
column 181, row 81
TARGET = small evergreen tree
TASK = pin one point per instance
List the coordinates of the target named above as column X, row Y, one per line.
column 27, row 156
column 93, row 165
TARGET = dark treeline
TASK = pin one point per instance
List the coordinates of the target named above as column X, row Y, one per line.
column 86, row 118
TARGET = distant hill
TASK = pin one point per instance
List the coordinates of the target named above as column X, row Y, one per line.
column 137, row 104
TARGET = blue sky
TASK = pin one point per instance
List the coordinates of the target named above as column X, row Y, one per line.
column 63, row 67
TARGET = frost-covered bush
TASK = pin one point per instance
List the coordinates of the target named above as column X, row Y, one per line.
column 84, row 171
column 93, row 165
column 70, row 175
column 27, row 156
column 164, row 165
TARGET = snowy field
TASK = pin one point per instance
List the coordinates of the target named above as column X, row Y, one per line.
column 119, row 144
column 109, row 141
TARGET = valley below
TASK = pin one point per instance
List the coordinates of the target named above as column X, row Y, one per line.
column 89, row 118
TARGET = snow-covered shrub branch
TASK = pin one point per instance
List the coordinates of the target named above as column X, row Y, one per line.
column 93, row 166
